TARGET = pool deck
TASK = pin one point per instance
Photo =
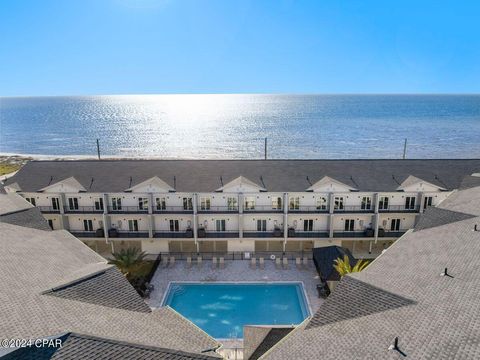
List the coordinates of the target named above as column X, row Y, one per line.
column 235, row 271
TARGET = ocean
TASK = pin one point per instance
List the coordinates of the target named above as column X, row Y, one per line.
column 234, row 126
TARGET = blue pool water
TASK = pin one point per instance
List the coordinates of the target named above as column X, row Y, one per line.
column 222, row 309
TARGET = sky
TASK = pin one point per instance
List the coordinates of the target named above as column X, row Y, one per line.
column 88, row 47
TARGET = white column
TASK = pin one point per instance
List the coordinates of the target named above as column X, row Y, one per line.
column 195, row 221
column 240, row 200
column 376, row 199
column 285, row 220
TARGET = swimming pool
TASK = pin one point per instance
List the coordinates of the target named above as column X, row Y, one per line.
column 222, row 309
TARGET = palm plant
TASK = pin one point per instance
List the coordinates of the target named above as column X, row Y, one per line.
column 129, row 261
column 344, row 267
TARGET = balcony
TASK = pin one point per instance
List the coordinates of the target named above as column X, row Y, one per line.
column 353, row 234
column 127, row 210
column 174, row 234
column 202, row 233
column 218, row 209
column 84, row 234
column 308, row 234
column 172, row 210
column 83, row 210
column 308, row 209
column 131, row 234
column 354, row 209
column 400, row 209
column 262, row 209
column 263, row 234
column 49, row 209
column 391, row 233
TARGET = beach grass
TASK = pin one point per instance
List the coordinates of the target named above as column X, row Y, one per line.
column 6, row 168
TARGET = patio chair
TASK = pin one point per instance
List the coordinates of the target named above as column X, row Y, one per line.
column 164, row 261
column 278, row 263
column 214, row 262
column 189, row 262
column 253, row 263
column 172, row 261
column 305, row 262
column 285, row 263
column 222, row 263
column 261, row 261
column 298, row 263
column 199, row 262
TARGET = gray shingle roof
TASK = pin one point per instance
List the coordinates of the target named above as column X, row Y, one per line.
column 268, row 339
column 79, row 347
column 276, row 175
column 107, row 288
column 31, row 218
column 469, row 182
column 434, row 216
column 402, row 294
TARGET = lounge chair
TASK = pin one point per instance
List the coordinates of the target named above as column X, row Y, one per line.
column 278, row 263
column 262, row 263
column 285, row 263
column 298, row 263
column 189, row 262
column 164, row 261
column 199, row 262
column 222, row 263
column 214, row 262
column 305, row 262
column 253, row 263
column 172, row 261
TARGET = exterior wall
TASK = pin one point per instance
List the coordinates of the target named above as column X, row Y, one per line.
column 75, row 222
column 250, row 221
column 241, row 245
column 208, row 221
column 120, row 222
column 320, row 221
column 155, row 246
column 362, row 221
column 162, row 222
column 56, row 221
column 327, row 242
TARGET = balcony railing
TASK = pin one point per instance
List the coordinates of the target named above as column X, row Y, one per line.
column 173, row 234
column 262, row 208
column 172, row 210
column 84, row 234
column 83, row 209
column 217, row 234
column 353, row 234
column 132, row 234
column 391, row 233
column 309, row 209
column 48, row 209
column 308, row 234
column 354, row 209
column 127, row 209
column 218, row 209
column 263, row 234
column 399, row 208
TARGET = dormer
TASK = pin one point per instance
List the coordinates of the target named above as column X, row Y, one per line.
column 241, row 185
column 152, row 185
column 414, row 184
column 327, row 184
column 69, row 185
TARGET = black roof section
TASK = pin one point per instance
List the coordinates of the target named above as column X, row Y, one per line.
column 85, row 347
column 273, row 337
column 324, row 257
column 31, row 218
column 109, row 288
column 434, row 216
column 277, row 175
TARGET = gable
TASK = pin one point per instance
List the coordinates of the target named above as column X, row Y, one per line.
column 241, row 185
column 327, row 184
column 70, row 185
column 415, row 184
column 152, row 185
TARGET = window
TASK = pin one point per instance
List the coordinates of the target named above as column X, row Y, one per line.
column 261, row 225
column 383, row 203
column 277, row 203
column 294, row 203
column 116, row 203
column 308, row 225
column 55, row 203
column 204, row 203
column 250, row 203
column 174, row 226
column 338, row 203
column 187, row 203
column 50, row 223
column 161, row 203
column 232, row 203
column 395, row 224
column 349, row 225
column 427, row 201
column 73, row 203
column 99, row 204
column 142, row 203
column 410, row 203
column 366, row 203
column 322, row 203
column 88, row 225
column 133, row 225
column 31, row 200
column 220, row 225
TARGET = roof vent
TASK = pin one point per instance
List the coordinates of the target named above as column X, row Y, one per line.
column 91, row 183
column 445, row 273
column 394, row 347
column 174, row 182
column 131, row 180
column 308, row 180
column 221, row 180
column 475, row 228
column 394, row 179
